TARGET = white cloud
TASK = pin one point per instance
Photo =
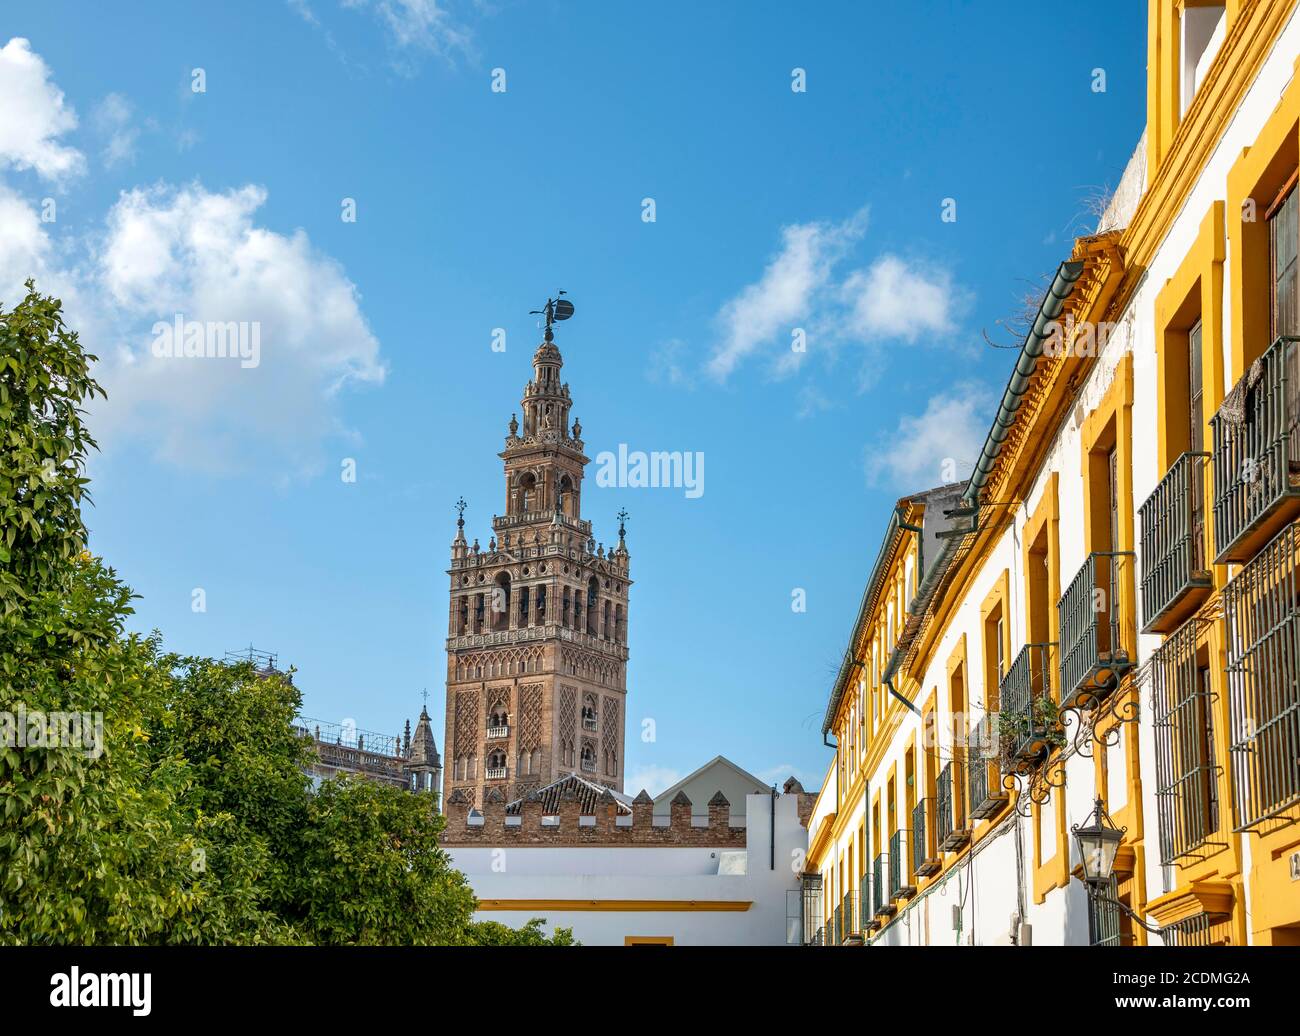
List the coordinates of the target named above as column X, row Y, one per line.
column 33, row 115
column 896, row 299
column 200, row 254
column 781, row 773
column 667, row 365
column 812, row 402
column 654, row 779
column 412, row 25
column 937, row 446
column 164, row 251
column 785, row 295
column 24, row 246
column 113, row 119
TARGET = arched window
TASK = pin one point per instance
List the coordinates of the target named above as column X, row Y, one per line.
column 618, row 623
column 592, row 590
column 588, row 758
column 606, row 629
column 589, row 712
column 496, row 764
column 565, row 504
column 528, row 491
column 501, row 602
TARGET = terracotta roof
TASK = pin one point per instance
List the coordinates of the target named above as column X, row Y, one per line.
column 588, row 795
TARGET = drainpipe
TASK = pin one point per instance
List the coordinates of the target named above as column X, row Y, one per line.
column 773, row 832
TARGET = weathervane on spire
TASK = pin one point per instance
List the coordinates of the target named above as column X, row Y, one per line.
column 622, row 517
column 460, row 513
column 556, row 309
column 424, row 693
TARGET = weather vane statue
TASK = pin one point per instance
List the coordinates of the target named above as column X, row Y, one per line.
column 556, row 309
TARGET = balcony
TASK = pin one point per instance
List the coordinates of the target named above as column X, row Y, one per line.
column 837, row 926
column 588, row 765
column 1026, row 722
column 984, row 776
column 883, row 908
column 1094, row 628
column 850, row 911
column 498, row 733
column 899, row 887
column 1175, row 577
column 925, row 856
column 1186, row 776
column 495, row 773
column 1261, row 608
column 950, row 832
column 1257, row 454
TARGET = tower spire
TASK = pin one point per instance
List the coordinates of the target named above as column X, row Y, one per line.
column 544, row 600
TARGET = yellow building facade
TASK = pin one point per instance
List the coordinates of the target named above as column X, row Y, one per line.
column 1108, row 609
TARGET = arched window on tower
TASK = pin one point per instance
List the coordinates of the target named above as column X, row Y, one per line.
column 541, row 604
column 592, row 590
column 528, row 492
column 501, row 602
column 619, row 632
column 566, row 503
column 606, row 629
column 589, row 712
column 588, row 758
column 564, row 617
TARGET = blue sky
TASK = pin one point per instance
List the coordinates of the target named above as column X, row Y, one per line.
column 774, row 210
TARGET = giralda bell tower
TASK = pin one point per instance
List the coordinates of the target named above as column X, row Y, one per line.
column 537, row 642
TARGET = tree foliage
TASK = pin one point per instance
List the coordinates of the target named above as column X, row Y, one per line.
column 189, row 818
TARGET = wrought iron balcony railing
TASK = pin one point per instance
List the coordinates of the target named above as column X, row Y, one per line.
column 1175, row 573
column 869, row 922
column 1187, row 797
column 1095, row 648
column 925, row 855
column 950, row 829
column 900, row 887
column 837, row 926
column 1261, row 606
column 881, row 905
column 1024, row 731
column 1257, row 454
column 1105, row 919
column 852, row 913
column 984, row 775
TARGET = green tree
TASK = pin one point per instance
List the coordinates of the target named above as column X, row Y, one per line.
column 188, row 817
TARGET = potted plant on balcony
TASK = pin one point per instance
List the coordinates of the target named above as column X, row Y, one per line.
column 1031, row 735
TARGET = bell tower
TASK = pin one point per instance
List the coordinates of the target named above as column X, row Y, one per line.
column 537, row 637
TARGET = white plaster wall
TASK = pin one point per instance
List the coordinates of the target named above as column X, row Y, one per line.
column 653, row 873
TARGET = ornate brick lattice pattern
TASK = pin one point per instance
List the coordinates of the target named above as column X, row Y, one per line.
column 502, row 662
column 568, row 710
column 592, row 666
column 530, row 716
column 609, row 739
column 466, row 723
